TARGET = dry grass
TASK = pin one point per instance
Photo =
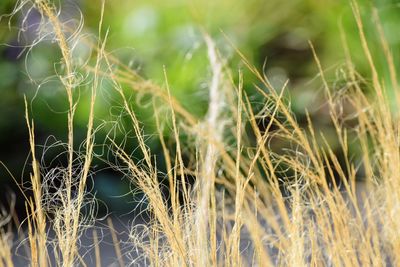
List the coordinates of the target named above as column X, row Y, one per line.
column 250, row 205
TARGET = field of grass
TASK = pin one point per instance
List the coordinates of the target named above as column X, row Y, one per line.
column 243, row 186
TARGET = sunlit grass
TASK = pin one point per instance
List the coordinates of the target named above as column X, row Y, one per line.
column 250, row 204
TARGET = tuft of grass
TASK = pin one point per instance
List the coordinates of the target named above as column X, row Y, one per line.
column 250, row 204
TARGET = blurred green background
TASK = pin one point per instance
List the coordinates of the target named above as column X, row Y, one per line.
column 148, row 35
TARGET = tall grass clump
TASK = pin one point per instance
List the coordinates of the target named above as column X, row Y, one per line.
column 304, row 203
